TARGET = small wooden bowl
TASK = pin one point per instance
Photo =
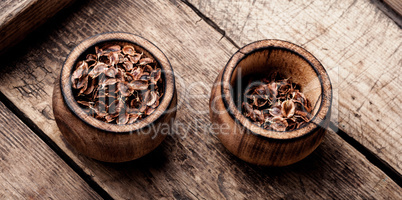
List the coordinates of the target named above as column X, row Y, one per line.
column 255, row 144
column 106, row 141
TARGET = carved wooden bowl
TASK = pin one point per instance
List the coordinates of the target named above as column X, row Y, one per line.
column 255, row 144
column 106, row 141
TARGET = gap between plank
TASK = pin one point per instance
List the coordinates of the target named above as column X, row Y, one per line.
column 27, row 121
column 210, row 22
column 371, row 157
column 388, row 11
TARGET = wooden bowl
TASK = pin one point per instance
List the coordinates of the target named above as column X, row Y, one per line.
column 106, row 141
column 255, row 144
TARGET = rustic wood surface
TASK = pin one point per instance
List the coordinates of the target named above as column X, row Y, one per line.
column 30, row 169
column 358, row 45
column 192, row 163
column 19, row 17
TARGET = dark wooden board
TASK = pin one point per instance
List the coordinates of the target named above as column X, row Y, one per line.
column 192, row 163
column 29, row 169
column 19, row 17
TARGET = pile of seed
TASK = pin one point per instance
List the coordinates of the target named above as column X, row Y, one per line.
column 276, row 104
column 116, row 84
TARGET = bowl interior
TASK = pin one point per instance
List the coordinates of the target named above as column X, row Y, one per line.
column 265, row 62
column 141, row 45
column 264, row 58
column 138, row 48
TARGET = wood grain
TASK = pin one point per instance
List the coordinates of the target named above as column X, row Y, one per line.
column 30, row 169
column 191, row 163
column 19, row 18
column 396, row 5
column 359, row 46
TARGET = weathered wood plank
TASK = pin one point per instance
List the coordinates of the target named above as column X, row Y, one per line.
column 19, row 18
column 359, row 46
column 191, row 163
column 30, row 169
column 395, row 4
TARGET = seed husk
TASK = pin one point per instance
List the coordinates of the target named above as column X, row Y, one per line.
column 276, row 104
column 117, row 84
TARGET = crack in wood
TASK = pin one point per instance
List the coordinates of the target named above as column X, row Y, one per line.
column 210, row 22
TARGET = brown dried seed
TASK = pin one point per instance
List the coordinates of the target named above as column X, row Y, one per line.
column 111, row 72
column 101, row 105
column 279, row 124
column 273, row 89
column 100, row 94
column 155, row 76
column 131, row 110
column 128, row 50
column 109, row 81
column 112, row 48
column 122, row 118
column 303, row 115
column 260, row 102
column 104, row 59
column 124, row 89
column 90, row 88
column 156, row 104
column 142, row 108
column 134, row 103
column 149, row 110
column 97, row 70
column 113, row 107
column 85, row 103
column 261, row 89
column 300, row 98
column 145, row 61
column 152, row 97
column 113, row 58
column 148, row 69
column 133, row 118
column 134, row 59
column 91, row 58
column 98, row 51
column 259, row 115
column 128, row 65
column 291, row 124
column 144, row 77
column 101, row 115
column 109, row 118
column 288, row 108
column 82, row 83
column 138, row 85
column 137, row 72
column 81, row 70
column 275, row 111
column 120, row 75
column 129, row 77
column 248, row 108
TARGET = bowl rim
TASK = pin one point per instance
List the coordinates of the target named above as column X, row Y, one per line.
column 159, row 56
column 318, row 120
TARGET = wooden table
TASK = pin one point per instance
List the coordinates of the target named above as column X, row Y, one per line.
column 358, row 42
